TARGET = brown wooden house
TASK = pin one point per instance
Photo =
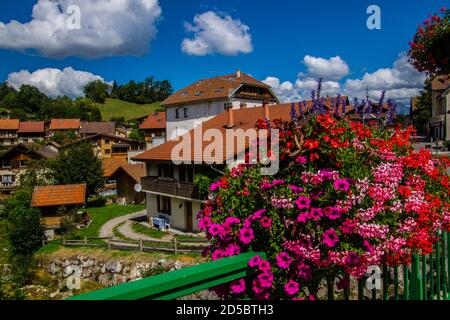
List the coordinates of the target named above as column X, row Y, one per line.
column 14, row 162
column 126, row 177
column 50, row 198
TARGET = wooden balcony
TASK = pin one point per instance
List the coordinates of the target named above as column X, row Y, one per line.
column 170, row 187
column 7, row 186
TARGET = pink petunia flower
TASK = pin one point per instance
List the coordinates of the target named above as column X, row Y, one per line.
column 238, row 286
column 246, row 235
column 232, row 220
column 204, row 223
column 303, row 217
column 215, row 229
column 283, row 260
column 258, row 214
column 333, row 213
column 303, row 202
column 291, row 288
column 315, row 214
column 264, row 266
column 304, row 271
column 341, row 185
column 254, row 262
column 232, row 250
column 265, row 279
column 215, row 186
column 330, row 238
column 217, row 254
column 266, row 222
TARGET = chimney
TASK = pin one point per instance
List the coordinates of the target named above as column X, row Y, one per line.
column 238, row 73
column 230, row 116
column 266, row 110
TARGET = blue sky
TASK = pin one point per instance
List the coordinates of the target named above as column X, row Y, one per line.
column 282, row 33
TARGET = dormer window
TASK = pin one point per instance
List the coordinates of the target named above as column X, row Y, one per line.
column 184, row 94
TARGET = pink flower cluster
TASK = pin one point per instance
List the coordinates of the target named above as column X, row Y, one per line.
column 349, row 199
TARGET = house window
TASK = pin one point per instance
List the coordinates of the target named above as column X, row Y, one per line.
column 164, row 205
column 177, row 113
column 106, row 141
column 23, row 163
column 6, row 163
column 186, row 174
column 185, row 111
column 8, row 179
column 107, row 151
column 165, row 170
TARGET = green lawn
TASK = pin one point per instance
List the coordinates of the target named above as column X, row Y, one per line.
column 153, row 233
column 118, row 108
column 101, row 215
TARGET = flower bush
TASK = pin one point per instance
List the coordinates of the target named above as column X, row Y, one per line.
column 347, row 196
column 430, row 49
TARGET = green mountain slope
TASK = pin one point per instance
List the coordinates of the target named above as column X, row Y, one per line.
column 118, row 108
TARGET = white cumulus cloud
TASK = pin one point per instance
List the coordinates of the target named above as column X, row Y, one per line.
column 329, row 69
column 401, row 82
column 54, row 82
column 216, row 33
column 107, row 28
column 285, row 91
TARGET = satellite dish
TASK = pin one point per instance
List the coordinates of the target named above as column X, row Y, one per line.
column 138, row 187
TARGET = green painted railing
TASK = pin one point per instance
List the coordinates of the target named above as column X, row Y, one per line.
column 179, row 283
column 426, row 278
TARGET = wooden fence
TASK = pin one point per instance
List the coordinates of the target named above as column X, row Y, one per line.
column 175, row 246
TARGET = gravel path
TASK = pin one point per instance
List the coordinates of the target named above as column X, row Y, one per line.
column 107, row 229
column 127, row 231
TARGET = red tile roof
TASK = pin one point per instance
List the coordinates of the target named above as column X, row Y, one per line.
column 61, row 195
column 32, row 127
column 9, row 124
column 110, row 165
column 156, row 120
column 65, row 124
column 97, row 127
column 135, row 171
column 244, row 119
column 212, row 88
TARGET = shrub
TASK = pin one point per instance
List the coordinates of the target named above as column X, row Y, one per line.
column 96, row 202
column 347, row 196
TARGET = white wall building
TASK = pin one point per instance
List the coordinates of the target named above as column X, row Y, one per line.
column 205, row 99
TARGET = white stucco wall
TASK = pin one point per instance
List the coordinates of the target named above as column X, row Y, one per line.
column 178, row 214
column 199, row 112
